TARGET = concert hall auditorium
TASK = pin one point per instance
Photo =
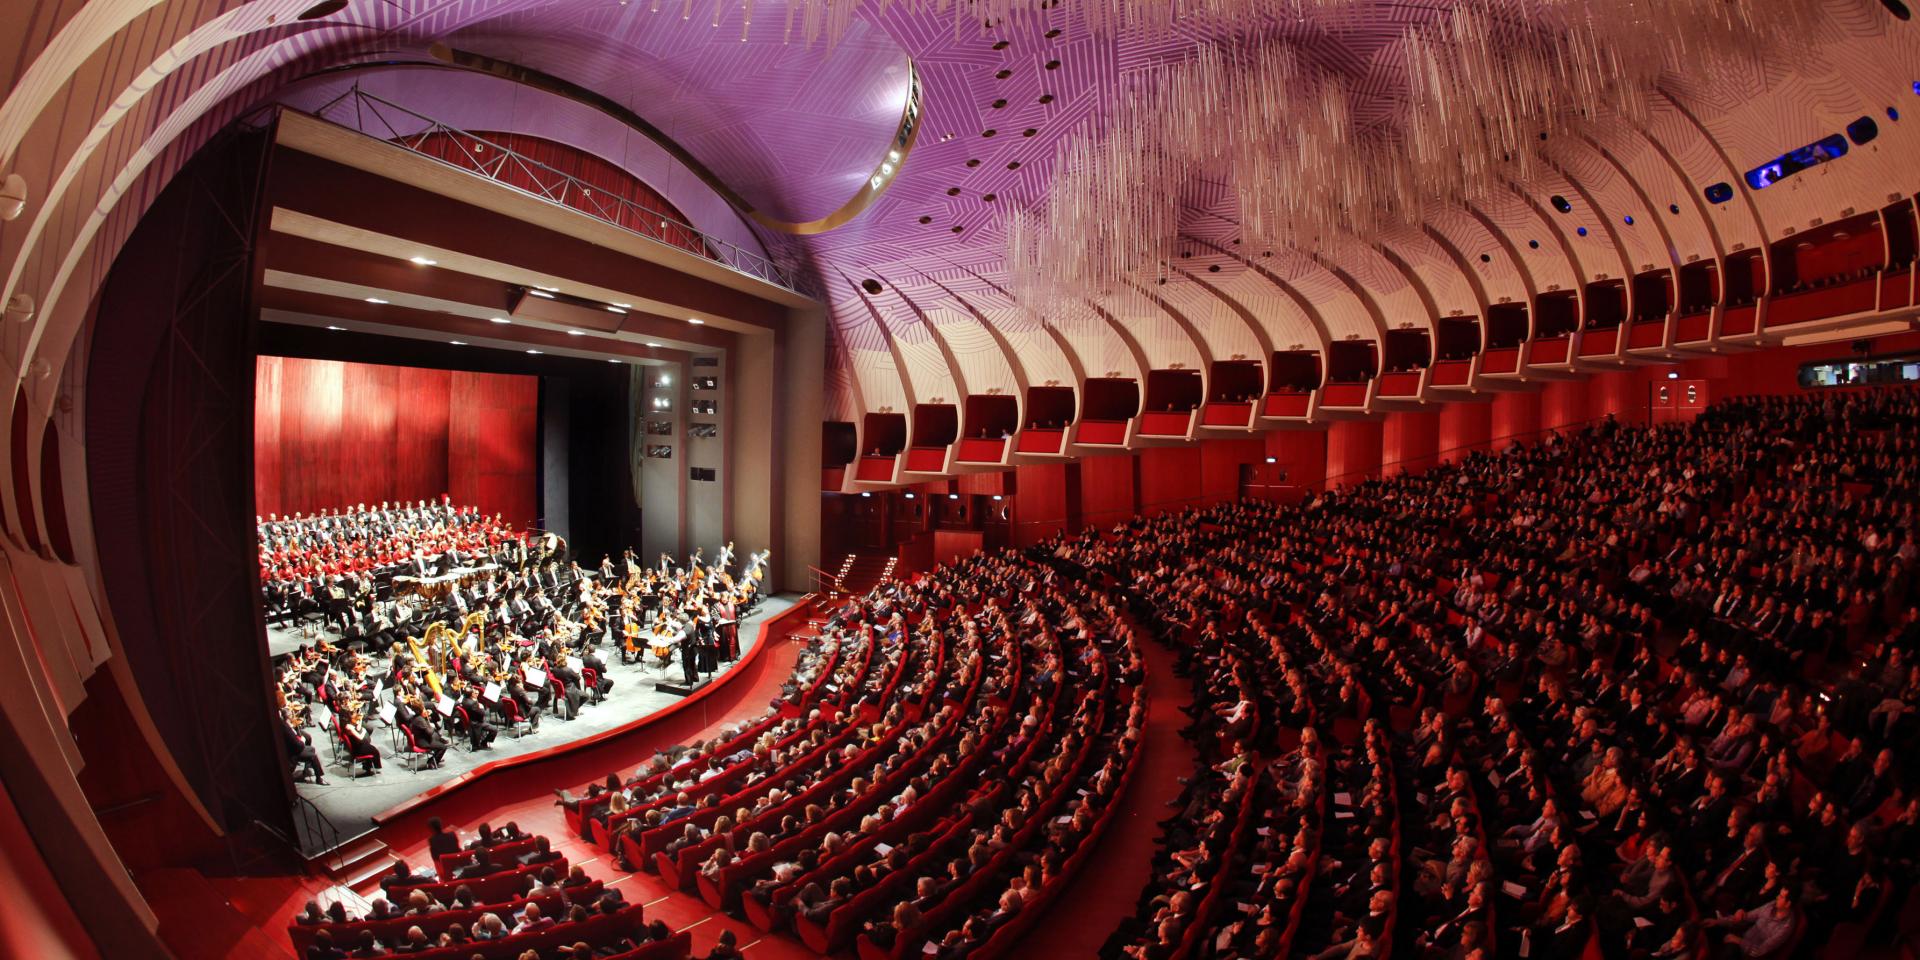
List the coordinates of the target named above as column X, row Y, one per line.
column 960, row 479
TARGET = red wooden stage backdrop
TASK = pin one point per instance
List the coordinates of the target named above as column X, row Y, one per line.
column 330, row 434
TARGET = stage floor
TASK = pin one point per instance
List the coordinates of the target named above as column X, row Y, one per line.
column 351, row 804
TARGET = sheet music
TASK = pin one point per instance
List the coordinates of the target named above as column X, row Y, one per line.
column 536, row 678
column 492, row 693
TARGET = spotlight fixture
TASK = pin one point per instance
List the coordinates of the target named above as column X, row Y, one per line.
column 908, row 495
column 696, row 321
column 613, row 359
column 650, row 343
column 866, row 493
column 998, row 497
column 540, row 286
column 620, row 310
column 953, row 496
column 1273, row 459
column 576, row 333
column 541, row 294
column 458, row 343
column 1673, row 374
column 375, row 300
column 499, row 320
column 536, row 352
column 331, row 326
column 422, row 261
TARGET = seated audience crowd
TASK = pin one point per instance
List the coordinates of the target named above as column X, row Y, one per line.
column 1644, row 687
column 1639, row 692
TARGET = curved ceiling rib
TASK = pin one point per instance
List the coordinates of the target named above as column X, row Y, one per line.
column 864, row 197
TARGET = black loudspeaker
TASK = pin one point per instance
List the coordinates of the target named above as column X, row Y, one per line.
column 1863, row 347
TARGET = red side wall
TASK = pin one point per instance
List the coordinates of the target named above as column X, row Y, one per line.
column 330, row 434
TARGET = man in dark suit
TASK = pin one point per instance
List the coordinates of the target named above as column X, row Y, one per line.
column 482, row 866
column 1565, row 939
column 300, row 751
column 441, row 842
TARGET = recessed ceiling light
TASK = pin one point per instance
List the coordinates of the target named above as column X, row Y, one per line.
column 576, row 333
column 536, row 352
column 541, row 293
column 458, row 343
column 695, row 320
column 423, row 261
column 332, row 327
column 375, row 300
column 500, row 320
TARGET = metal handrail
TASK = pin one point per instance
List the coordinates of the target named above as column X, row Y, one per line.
column 369, row 115
column 322, row 828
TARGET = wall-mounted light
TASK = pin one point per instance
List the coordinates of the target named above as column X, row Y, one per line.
column 1673, row 374
column 866, row 493
column 953, row 496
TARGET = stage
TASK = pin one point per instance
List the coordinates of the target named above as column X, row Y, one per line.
column 355, row 805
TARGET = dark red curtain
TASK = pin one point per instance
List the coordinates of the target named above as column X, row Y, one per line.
column 331, row 434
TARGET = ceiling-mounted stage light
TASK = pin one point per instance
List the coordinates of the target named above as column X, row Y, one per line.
column 325, row 8
column 20, row 308
column 13, row 196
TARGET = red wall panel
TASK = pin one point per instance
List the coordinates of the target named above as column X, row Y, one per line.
column 1464, row 428
column 1220, row 462
column 1169, row 479
column 1409, row 441
column 1107, row 492
column 1353, row 451
column 329, row 434
column 1516, row 416
column 1040, row 509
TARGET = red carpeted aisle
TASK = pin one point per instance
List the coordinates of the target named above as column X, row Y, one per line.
column 1113, row 876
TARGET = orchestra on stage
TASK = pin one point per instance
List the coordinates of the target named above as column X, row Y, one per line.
column 437, row 622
